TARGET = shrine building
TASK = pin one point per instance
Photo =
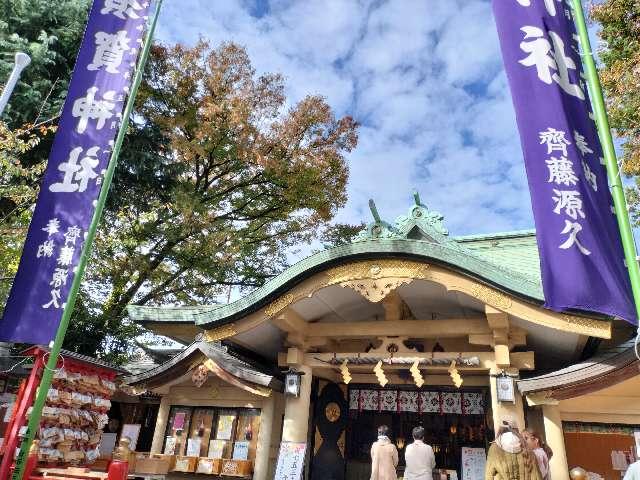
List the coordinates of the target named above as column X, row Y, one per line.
column 404, row 326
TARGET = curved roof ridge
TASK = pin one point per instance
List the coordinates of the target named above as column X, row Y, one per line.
column 420, row 234
column 497, row 235
column 448, row 253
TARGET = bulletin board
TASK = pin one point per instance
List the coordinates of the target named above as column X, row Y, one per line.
column 592, row 451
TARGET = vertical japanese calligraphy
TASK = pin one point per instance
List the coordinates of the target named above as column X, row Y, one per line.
column 77, row 163
column 290, row 461
column 581, row 254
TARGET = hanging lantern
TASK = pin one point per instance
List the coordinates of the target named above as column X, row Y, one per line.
column 292, row 383
column 382, row 379
column 455, row 376
column 505, row 389
column 415, row 373
column 344, row 370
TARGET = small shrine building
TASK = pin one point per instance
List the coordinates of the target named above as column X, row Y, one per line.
column 404, row 326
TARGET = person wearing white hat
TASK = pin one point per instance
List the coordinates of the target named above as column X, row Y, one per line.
column 509, row 458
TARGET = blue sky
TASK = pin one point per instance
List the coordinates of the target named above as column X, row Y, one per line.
column 424, row 78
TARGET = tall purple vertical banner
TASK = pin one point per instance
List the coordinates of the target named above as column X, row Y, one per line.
column 81, row 149
column 578, row 239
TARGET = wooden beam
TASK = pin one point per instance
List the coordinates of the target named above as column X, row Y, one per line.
column 519, row 360
column 392, row 305
column 290, row 322
column 454, row 327
column 430, row 380
column 499, row 322
column 305, row 343
column 517, row 338
column 294, row 356
column 496, row 318
column 538, row 399
column 523, row 360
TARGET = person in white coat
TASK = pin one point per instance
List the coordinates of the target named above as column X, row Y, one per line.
column 419, row 458
column 633, row 472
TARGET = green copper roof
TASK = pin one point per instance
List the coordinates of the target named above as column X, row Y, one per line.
column 516, row 251
column 506, row 261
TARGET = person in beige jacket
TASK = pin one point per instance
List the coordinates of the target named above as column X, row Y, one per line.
column 384, row 457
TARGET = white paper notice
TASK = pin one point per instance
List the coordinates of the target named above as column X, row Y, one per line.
column 193, row 447
column 473, row 463
column 290, row 461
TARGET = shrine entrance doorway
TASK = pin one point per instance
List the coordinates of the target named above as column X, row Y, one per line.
column 452, row 419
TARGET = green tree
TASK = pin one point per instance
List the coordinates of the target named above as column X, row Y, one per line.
column 50, row 32
column 18, row 190
column 620, row 30
column 218, row 180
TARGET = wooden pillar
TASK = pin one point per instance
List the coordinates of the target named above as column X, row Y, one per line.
column 161, row 425
column 505, row 410
column 555, row 439
column 263, row 447
column 295, row 427
column 296, row 410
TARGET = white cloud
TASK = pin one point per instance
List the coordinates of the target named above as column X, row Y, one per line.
column 425, row 79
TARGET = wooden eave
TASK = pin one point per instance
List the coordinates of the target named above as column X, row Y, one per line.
column 199, row 352
column 607, row 369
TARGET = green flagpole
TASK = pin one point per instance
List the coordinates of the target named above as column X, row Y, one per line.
column 47, row 374
column 613, row 172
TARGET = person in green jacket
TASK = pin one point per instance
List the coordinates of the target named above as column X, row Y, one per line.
column 509, row 458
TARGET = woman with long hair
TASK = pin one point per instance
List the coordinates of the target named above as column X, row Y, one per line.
column 509, row 458
column 541, row 450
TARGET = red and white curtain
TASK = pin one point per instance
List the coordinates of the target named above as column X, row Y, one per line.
column 461, row 403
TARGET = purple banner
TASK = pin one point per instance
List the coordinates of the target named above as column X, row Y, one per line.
column 78, row 160
column 580, row 249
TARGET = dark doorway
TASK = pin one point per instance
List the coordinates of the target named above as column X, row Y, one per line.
column 446, row 433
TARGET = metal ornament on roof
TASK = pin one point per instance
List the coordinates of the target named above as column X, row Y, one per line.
column 419, row 223
column 200, row 375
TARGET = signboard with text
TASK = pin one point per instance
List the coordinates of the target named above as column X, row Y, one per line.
column 290, row 461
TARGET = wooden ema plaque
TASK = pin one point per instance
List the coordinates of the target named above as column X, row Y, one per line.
column 185, row 464
column 236, row 468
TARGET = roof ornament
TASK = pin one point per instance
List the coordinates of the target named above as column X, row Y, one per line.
column 419, row 223
column 378, row 228
column 374, row 211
